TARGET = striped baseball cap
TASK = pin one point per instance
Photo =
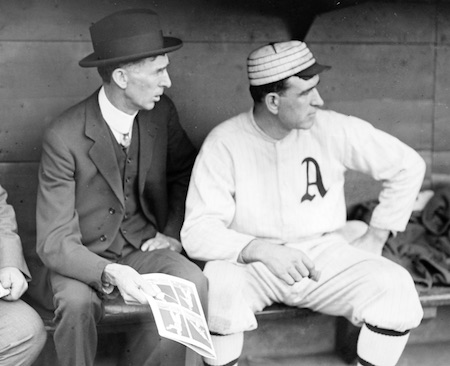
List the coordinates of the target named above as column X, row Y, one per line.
column 277, row 61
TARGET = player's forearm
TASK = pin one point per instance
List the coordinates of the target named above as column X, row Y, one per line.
column 209, row 239
column 255, row 251
column 399, row 194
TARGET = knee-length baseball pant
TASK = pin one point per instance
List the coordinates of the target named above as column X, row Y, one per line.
column 363, row 287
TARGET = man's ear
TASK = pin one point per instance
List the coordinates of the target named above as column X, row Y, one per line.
column 120, row 77
column 272, row 101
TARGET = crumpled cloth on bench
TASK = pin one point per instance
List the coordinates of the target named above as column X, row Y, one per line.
column 424, row 247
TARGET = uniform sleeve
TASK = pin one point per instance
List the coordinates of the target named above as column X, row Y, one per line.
column 399, row 167
column 11, row 254
column 210, row 207
column 59, row 242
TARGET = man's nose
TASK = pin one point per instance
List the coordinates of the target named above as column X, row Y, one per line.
column 165, row 81
column 316, row 99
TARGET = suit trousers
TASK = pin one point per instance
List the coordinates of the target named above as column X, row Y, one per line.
column 22, row 334
column 78, row 309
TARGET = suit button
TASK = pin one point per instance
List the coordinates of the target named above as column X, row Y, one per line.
column 103, row 238
column 124, row 232
column 112, row 211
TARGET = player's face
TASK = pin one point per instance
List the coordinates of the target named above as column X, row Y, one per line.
column 298, row 104
column 146, row 82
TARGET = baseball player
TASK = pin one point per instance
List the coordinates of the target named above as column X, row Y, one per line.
column 266, row 209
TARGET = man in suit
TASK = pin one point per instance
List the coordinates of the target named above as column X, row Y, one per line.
column 112, row 185
column 22, row 333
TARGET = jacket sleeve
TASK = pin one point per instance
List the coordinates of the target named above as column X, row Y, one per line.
column 11, row 254
column 180, row 159
column 59, row 242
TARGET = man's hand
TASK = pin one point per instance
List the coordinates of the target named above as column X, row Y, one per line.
column 129, row 282
column 12, row 279
column 288, row 264
column 161, row 241
column 372, row 241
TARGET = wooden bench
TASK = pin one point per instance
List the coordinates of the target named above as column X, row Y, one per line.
column 119, row 317
column 20, row 181
column 117, row 313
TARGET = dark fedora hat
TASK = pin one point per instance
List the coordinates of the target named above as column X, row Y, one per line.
column 126, row 36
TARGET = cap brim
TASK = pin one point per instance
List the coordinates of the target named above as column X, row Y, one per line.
column 314, row 69
column 92, row 60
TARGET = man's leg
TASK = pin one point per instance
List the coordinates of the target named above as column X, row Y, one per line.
column 77, row 312
column 22, row 334
column 234, row 296
column 384, row 301
column 365, row 288
column 369, row 335
column 145, row 347
column 368, row 290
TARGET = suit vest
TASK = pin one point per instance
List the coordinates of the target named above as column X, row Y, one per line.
column 135, row 228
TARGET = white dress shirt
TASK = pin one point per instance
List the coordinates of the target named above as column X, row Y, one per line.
column 120, row 123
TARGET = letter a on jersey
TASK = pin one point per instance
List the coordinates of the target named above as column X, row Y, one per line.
column 317, row 182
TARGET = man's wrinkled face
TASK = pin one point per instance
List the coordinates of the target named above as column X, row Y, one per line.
column 146, row 82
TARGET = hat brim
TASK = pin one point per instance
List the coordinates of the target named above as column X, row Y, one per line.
column 314, row 69
column 92, row 60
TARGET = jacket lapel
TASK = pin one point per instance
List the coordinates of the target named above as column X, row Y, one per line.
column 147, row 135
column 102, row 151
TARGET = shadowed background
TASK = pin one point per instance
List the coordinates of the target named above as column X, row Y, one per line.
column 389, row 66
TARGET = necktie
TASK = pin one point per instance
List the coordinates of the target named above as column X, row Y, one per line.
column 126, row 140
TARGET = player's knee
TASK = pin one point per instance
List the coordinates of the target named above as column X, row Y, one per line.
column 399, row 296
column 226, row 282
column 398, row 281
column 227, row 274
column 390, row 278
column 409, row 300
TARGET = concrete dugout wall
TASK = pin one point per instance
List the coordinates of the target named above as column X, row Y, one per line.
column 389, row 59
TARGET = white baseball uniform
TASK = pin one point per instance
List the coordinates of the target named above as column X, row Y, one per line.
column 246, row 185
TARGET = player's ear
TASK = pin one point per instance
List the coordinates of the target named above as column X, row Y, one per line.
column 272, row 102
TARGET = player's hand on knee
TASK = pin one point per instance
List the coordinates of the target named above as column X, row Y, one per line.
column 301, row 266
column 288, row 264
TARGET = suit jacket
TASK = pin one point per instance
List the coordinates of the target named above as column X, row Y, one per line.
column 80, row 203
column 11, row 254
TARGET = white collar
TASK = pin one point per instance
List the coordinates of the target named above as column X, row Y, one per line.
column 119, row 122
